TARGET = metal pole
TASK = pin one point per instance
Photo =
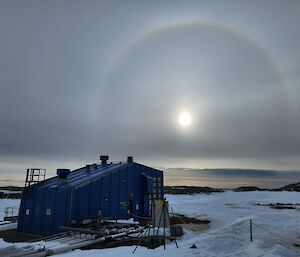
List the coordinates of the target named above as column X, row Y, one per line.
column 251, row 239
column 164, row 211
column 140, row 241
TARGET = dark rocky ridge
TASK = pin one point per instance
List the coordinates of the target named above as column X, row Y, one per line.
column 15, row 193
column 190, row 190
column 11, row 188
column 289, row 206
column 291, row 188
column 207, row 190
column 10, row 195
column 246, row 189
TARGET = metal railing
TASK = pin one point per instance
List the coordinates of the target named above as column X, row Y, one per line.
column 11, row 211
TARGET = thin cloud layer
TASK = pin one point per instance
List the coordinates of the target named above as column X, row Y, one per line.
column 82, row 79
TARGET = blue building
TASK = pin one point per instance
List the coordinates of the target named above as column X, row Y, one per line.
column 106, row 190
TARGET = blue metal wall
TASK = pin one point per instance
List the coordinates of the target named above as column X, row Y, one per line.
column 107, row 191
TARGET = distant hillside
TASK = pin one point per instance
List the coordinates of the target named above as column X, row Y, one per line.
column 10, row 192
column 11, row 188
column 292, row 187
column 207, row 190
column 246, row 189
column 176, row 190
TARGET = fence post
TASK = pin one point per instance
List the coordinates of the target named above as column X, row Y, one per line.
column 251, row 230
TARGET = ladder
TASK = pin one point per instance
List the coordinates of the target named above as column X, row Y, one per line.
column 34, row 176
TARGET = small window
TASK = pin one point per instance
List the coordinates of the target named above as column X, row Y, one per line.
column 48, row 211
column 137, row 206
column 104, row 199
column 27, row 212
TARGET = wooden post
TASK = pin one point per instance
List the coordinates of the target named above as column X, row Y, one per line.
column 251, row 239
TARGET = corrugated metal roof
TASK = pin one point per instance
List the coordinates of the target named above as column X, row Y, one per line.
column 81, row 175
column 100, row 171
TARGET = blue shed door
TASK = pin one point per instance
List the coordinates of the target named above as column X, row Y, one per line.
column 123, row 195
column 37, row 211
column 114, row 196
column 105, row 197
column 61, row 205
column 48, row 211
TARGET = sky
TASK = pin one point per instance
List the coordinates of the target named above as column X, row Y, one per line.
column 79, row 79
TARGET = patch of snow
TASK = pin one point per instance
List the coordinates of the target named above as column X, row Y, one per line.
column 10, row 192
column 129, row 221
column 8, row 226
column 3, row 243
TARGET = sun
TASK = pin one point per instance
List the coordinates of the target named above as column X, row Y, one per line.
column 184, row 119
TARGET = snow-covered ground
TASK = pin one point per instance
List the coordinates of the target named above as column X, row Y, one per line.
column 10, row 192
column 228, row 234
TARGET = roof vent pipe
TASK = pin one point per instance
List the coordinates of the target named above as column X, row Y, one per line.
column 104, row 159
column 62, row 173
column 129, row 159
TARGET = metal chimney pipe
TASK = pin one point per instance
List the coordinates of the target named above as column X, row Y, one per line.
column 104, row 159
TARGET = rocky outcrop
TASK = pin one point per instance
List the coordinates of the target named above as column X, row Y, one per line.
column 176, row 190
column 292, row 187
column 246, row 189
